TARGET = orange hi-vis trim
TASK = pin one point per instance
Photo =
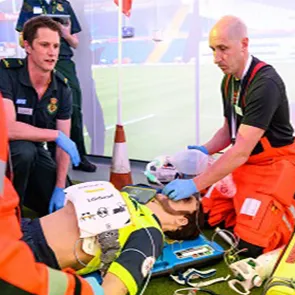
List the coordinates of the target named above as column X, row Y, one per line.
column 3, row 146
column 8, row 196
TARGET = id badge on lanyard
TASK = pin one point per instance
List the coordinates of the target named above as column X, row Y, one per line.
column 235, row 110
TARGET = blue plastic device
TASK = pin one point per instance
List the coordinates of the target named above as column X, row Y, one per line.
column 179, row 256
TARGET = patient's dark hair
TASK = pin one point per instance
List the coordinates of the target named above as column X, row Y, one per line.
column 192, row 229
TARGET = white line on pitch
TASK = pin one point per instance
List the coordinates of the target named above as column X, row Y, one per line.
column 131, row 121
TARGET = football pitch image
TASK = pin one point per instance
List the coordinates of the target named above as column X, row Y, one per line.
column 159, row 105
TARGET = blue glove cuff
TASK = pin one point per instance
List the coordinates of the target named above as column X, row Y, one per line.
column 194, row 188
column 66, row 144
column 204, row 150
column 200, row 148
column 59, row 136
column 96, row 287
column 57, row 189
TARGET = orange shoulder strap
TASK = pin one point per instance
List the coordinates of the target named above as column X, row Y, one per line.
column 227, row 79
column 257, row 67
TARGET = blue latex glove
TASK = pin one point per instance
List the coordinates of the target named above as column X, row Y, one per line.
column 94, row 283
column 96, row 275
column 200, row 148
column 179, row 189
column 57, row 199
column 69, row 147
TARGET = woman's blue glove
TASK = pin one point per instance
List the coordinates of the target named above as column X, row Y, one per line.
column 66, row 144
column 200, row 148
column 57, row 199
column 179, row 189
column 94, row 283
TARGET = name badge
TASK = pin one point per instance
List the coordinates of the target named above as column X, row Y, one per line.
column 238, row 110
column 37, row 10
column 25, row 111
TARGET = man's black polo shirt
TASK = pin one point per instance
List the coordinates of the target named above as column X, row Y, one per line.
column 55, row 104
column 266, row 106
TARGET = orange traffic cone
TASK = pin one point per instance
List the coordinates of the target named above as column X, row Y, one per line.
column 120, row 168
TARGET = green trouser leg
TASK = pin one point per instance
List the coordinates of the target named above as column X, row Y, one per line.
column 68, row 69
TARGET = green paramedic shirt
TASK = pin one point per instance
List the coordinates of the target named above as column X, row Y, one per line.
column 32, row 8
column 15, row 84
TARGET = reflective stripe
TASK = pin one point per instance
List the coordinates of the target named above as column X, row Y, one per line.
column 2, row 175
column 58, row 282
column 125, row 276
column 287, row 223
column 292, row 210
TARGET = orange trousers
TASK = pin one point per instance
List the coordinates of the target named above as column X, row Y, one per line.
column 262, row 211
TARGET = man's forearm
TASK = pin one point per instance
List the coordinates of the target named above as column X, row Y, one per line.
column 220, row 141
column 113, row 285
column 22, row 131
column 62, row 164
column 72, row 40
column 61, row 157
column 223, row 166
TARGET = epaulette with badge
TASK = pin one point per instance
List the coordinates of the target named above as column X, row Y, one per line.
column 11, row 63
column 59, row 4
column 60, row 76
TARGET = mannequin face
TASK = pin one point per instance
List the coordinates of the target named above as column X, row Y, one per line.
column 174, row 215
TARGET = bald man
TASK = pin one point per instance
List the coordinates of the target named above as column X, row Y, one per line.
column 261, row 157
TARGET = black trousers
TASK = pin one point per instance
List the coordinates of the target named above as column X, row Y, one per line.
column 68, row 69
column 33, row 235
column 34, row 174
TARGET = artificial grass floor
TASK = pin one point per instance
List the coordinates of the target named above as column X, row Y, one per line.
column 166, row 286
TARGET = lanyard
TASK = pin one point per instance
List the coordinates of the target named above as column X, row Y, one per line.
column 235, row 98
column 44, row 10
